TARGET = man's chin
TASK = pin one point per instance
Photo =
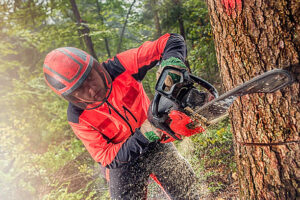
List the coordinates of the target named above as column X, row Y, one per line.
column 100, row 97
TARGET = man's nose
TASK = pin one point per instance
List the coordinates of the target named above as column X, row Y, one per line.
column 92, row 91
column 93, row 88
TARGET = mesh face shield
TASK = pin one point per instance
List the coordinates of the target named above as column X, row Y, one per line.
column 107, row 90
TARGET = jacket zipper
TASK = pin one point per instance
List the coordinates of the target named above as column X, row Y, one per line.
column 120, row 116
column 126, row 109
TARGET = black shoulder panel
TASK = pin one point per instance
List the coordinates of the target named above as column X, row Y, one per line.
column 143, row 70
column 175, row 47
column 114, row 67
column 73, row 113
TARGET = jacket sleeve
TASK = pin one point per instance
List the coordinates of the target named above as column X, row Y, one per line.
column 106, row 152
column 139, row 60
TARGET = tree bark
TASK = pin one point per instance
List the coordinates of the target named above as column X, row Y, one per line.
column 124, row 26
column 252, row 37
column 84, row 30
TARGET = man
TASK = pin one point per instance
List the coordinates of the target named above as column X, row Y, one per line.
column 108, row 112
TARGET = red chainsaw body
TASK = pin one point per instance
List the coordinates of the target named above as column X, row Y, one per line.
column 181, row 124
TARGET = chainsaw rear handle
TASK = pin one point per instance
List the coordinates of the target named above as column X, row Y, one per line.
column 186, row 81
column 159, row 119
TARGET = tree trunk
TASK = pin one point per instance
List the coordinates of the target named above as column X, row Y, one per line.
column 181, row 26
column 180, row 19
column 102, row 21
column 252, row 37
column 84, row 30
column 153, row 5
column 178, row 6
column 124, row 26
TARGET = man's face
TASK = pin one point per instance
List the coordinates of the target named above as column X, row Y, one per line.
column 92, row 89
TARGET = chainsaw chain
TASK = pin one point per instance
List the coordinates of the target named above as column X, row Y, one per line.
column 196, row 118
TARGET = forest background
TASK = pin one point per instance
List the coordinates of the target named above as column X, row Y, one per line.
column 40, row 157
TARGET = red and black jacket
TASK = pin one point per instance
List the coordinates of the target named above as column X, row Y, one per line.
column 111, row 132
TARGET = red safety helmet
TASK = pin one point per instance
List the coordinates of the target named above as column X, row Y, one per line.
column 66, row 68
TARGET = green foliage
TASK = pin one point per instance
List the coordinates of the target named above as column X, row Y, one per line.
column 202, row 54
column 214, row 156
column 36, row 141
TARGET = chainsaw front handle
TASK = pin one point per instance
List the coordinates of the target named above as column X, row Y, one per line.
column 175, row 93
column 186, row 80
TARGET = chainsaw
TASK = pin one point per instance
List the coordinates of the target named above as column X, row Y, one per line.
column 185, row 110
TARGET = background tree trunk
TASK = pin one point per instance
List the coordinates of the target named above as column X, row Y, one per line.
column 153, row 5
column 124, row 26
column 102, row 22
column 178, row 5
column 84, row 30
column 252, row 37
